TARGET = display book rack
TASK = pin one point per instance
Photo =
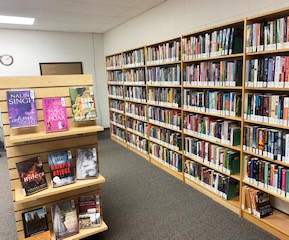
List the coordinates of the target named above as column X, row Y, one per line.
column 22, row 144
column 277, row 223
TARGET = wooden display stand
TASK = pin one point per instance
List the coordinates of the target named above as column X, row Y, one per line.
column 22, row 144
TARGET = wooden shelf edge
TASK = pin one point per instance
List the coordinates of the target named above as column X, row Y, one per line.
column 236, row 55
column 266, row 124
column 214, row 87
column 118, row 141
column 214, row 115
column 178, row 175
column 143, row 155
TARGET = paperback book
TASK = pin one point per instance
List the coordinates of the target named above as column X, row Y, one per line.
column 55, row 116
column 32, row 176
column 64, row 219
column 86, row 163
column 61, row 168
column 22, row 110
column 35, row 224
column 83, row 106
column 89, row 212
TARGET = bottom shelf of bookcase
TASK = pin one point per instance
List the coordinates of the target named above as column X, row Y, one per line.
column 145, row 156
column 118, row 141
column 276, row 224
column 233, row 205
column 176, row 174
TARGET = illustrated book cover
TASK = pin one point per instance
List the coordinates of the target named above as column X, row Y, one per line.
column 35, row 224
column 89, row 212
column 32, row 176
column 82, row 102
column 64, row 219
column 87, row 163
column 61, row 168
column 55, row 115
column 22, row 110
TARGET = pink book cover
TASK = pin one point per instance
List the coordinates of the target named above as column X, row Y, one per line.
column 55, row 116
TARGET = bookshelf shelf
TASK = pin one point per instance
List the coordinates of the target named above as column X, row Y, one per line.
column 167, row 127
column 135, row 150
column 135, row 117
column 50, row 191
column 115, row 83
column 236, row 55
column 164, row 106
column 43, row 135
column 266, row 89
column 135, row 101
column 121, row 142
column 214, row 87
column 117, row 111
column 116, row 97
column 161, row 143
column 270, row 52
column 164, row 63
column 134, row 84
column 214, row 115
column 136, row 133
column 164, row 85
column 140, row 66
column 118, row 125
column 267, row 124
column 114, row 69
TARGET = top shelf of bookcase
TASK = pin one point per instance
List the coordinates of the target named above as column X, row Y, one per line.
column 20, row 138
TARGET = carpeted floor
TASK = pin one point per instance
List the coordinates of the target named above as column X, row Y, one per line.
column 142, row 202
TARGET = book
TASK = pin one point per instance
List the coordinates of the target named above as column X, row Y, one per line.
column 118, row 133
column 87, row 163
column 89, row 212
column 116, row 91
column 55, row 115
column 135, row 125
column 170, row 97
column 64, row 219
column 135, row 94
column 82, row 103
column 32, row 176
column 164, row 75
column 117, row 105
column 117, row 118
column 133, row 58
column 114, row 61
column 137, row 142
column 35, row 224
column 136, row 110
column 114, row 77
column 22, row 110
column 61, row 168
column 134, row 76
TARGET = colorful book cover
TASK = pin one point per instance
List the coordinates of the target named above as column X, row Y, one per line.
column 35, row 224
column 22, row 110
column 55, row 116
column 82, row 102
column 89, row 212
column 64, row 219
column 86, row 163
column 32, row 176
column 61, row 168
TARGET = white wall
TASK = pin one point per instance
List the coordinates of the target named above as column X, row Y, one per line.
column 176, row 17
column 29, row 48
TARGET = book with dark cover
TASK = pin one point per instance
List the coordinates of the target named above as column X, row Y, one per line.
column 22, row 110
column 64, row 219
column 83, row 105
column 89, row 212
column 87, row 163
column 35, row 224
column 32, row 176
column 61, row 168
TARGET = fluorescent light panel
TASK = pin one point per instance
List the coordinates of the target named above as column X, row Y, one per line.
column 16, row 20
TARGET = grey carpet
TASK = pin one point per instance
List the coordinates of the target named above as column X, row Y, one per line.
column 140, row 201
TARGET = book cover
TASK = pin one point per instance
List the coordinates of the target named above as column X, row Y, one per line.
column 35, row 224
column 64, row 219
column 87, row 163
column 89, row 212
column 82, row 102
column 61, row 168
column 22, row 110
column 55, row 115
column 32, row 176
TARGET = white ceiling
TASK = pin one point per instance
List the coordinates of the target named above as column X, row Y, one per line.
column 96, row 16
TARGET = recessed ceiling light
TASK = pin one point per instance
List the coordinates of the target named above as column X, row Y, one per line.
column 16, row 20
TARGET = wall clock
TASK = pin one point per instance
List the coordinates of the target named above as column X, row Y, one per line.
column 6, row 60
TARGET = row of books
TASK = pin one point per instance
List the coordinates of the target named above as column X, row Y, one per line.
column 220, row 158
column 138, row 142
column 164, row 75
column 165, row 117
column 116, row 105
column 270, row 143
column 223, row 73
column 114, row 61
column 136, row 110
column 163, row 53
column 114, row 77
column 267, row 108
column 267, row 35
column 116, row 91
column 166, row 156
column 118, row 133
column 211, row 44
column 135, row 93
column 256, row 202
column 165, row 96
column 66, row 220
column 133, row 58
column 226, row 132
column 137, row 126
column 117, row 118
column 33, row 178
column 224, row 186
column 267, row 72
column 267, row 175
column 134, row 75
column 216, row 102
column 166, row 136
column 22, row 110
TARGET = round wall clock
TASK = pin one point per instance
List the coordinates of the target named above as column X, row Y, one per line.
column 6, row 60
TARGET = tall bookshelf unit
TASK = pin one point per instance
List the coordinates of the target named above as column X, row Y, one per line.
column 277, row 223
